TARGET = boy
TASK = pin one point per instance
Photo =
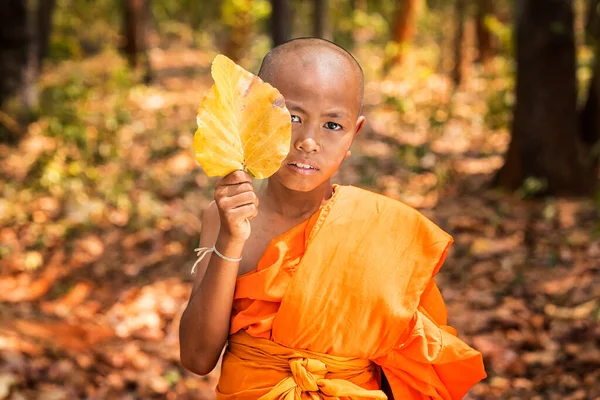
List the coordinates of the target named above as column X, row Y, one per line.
column 329, row 291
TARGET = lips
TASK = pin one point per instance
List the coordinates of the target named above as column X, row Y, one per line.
column 303, row 166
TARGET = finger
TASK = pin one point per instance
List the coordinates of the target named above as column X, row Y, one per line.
column 233, row 190
column 238, row 200
column 255, row 214
column 236, row 177
column 243, row 199
column 238, row 215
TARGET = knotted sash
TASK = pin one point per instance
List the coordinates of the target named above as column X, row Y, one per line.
column 255, row 368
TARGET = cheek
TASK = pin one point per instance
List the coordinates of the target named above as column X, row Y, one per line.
column 339, row 147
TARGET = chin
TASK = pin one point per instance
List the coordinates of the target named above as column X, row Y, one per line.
column 301, row 187
column 298, row 183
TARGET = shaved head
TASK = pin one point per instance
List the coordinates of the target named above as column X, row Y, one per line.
column 313, row 52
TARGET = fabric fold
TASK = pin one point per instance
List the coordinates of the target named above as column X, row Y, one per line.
column 364, row 273
column 431, row 364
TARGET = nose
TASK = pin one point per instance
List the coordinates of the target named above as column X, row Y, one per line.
column 307, row 139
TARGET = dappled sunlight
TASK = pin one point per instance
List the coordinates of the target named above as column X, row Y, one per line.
column 102, row 199
column 484, row 165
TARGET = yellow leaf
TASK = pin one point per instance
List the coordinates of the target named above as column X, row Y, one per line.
column 243, row 124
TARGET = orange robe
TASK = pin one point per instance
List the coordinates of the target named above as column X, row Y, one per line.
column 337, row 299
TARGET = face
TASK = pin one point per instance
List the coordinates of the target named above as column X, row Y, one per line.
column 325, row 108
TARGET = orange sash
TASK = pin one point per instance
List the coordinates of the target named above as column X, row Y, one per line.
column 255, row 368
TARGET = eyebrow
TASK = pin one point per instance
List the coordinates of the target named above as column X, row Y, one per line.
column 294, row 107
column 335, row 114
column 331, row 114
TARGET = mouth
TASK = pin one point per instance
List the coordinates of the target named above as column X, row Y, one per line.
column 303, row 166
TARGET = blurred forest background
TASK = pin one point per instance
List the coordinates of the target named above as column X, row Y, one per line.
column 484, row 114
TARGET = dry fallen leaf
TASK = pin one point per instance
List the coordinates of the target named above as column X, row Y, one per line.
column 6, row 382
column 243, row 124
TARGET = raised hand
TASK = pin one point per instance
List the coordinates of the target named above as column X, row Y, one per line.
column 237, row 203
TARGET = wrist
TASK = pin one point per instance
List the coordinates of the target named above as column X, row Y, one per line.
column 229, row 245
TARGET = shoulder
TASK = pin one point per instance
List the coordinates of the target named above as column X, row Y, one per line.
column 374, row 204
column 390, row 214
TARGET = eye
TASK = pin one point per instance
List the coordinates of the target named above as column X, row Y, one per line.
column 295, row 118
column 333, row 126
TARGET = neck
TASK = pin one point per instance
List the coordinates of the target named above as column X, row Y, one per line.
column 294, row 204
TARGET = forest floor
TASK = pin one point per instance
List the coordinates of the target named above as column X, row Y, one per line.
column 101, row 211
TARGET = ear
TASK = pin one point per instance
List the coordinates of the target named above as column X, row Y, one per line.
column 360, row 124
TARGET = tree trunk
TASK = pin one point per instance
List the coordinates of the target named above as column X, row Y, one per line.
column 135, row 25
column 14, row 41
column 545, row 144
column 44, row 27
column 484, row 36
column 28, row 91
column 25, row 27
column 404, row 26
column 459, row 62
column 321, row 19
column 590, row 115
column 280, row 21
column 592, row 24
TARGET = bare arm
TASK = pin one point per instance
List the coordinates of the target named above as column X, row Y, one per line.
column 204, row 326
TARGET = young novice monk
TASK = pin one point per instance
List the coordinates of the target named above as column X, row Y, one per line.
column 329, row 291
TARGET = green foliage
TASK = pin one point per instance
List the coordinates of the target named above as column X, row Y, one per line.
column 499, row 111
column 231, row 10
column 83, row 131
column 188, row 12
column 412, row 157
column 401, row 104
column 384, row 8
column 81, row 27
column 531, row 187
column 66, row 107
column 503, row 32
column 172, row 376
column 349, row 23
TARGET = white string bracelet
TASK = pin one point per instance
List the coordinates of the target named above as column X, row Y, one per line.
column 201, row 252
